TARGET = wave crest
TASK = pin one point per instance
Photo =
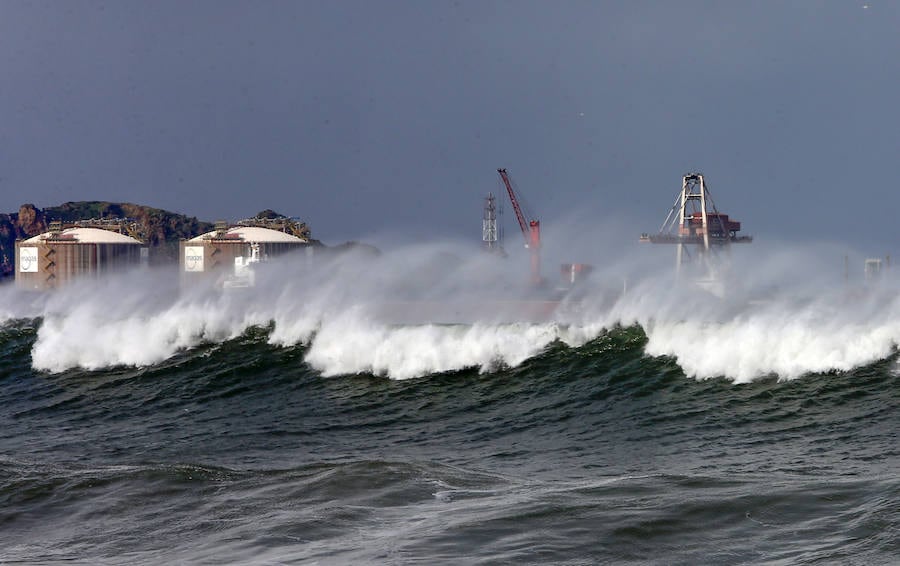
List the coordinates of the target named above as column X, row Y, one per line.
column 142, row 319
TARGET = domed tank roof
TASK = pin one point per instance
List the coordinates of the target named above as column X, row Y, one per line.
column 254, row 234
column 86, row 236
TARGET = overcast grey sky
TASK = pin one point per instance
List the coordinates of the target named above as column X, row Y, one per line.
column 380, row 115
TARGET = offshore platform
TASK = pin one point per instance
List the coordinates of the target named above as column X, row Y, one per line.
column 699, row 232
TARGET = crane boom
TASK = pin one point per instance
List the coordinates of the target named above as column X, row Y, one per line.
column 531, row 229
column 515, row 203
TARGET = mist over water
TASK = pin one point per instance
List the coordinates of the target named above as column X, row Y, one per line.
column 432, row 308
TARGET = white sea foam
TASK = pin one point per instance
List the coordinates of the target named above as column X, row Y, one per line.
column 758, row 330
column 344, row 346
column 768, row 324
column 759, row 344
column 137, row 319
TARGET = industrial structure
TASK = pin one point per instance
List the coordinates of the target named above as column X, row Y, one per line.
column 87, row 248
column 573, row 273
column 872, row 269
column 490, row 232
column 696, row 228
column 570, row 273
column 530, row 226
column 229, row 251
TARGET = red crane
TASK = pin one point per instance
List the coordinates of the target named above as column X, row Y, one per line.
column 531, row 229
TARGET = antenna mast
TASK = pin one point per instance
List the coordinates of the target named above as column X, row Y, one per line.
column 489, row 233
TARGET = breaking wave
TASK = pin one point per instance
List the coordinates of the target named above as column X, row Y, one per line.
column 422, row 310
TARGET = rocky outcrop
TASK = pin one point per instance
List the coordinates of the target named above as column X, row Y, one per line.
column 31, row 220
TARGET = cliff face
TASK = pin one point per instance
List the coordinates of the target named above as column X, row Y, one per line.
column 7, row 245
column 31, row 220
column 163, row 229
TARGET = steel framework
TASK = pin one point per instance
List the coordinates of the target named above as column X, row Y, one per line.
column 695, row 223
column 489, row 232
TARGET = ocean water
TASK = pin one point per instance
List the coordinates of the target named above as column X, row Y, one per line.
column 143, row 424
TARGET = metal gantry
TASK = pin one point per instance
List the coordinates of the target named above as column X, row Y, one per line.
column 696, row 227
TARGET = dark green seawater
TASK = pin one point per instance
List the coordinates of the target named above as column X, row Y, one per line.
column 246, row 449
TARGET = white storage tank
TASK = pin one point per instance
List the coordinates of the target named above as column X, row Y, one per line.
column 216, row 251
column 52, row 259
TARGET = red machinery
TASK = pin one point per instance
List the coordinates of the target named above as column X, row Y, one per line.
column 531, row 229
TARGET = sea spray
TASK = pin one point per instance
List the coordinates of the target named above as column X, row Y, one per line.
column 831, row 333
column 17, row 303
column 336, row 312
column 134, row 321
